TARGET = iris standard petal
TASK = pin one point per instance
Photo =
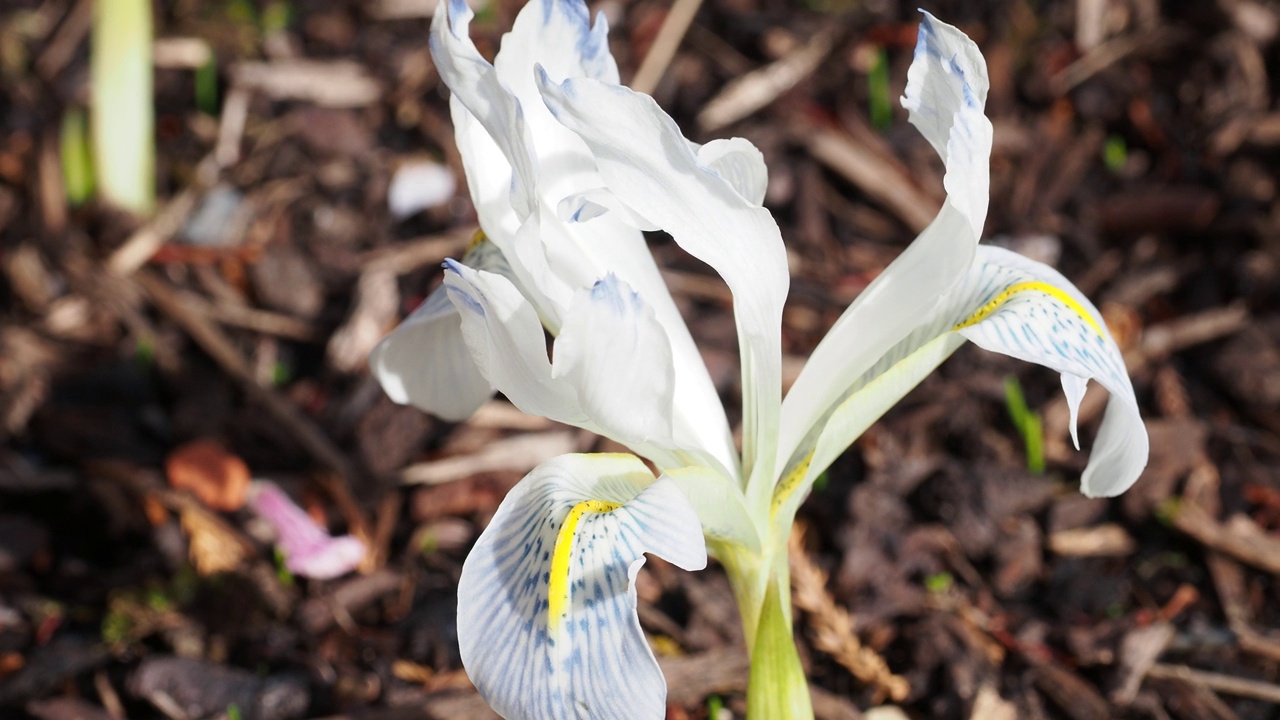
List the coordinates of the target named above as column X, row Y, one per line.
column 738, row 163
column 1015, row 306
column 476, row 86
column 613, row 352
column 506, row 341
column 647, row 164
column 424, row 362
column 547, row 619
column 947, row 84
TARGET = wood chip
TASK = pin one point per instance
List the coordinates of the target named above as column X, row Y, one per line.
column 1139, row 650
column 747, row 94
column 376, row 298
column 337, row 83
column 879, row 176
column 1108, row 540
column 517, row 454
column 1075, row 697
column 988, row 705
column 1239, row 537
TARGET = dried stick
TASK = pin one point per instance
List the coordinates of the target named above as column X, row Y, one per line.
column 665, row 45
column 833, row 628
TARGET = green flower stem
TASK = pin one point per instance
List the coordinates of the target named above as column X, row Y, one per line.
column 778, row 688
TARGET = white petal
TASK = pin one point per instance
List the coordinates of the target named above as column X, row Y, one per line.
column 647, row 164
column 614, row 353
column 595, row 202
column 1073, row 386
column 1033, row 313
column 740, row 164
column 425, row 363
column 945, row 92
column 718, row 501
column 547, row 629
column 475, row 85
column 558, row 36
column 1015, row 306
column 947, row 76
column 506, row 341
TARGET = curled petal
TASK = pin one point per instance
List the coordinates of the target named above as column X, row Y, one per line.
column 740, row 164
column 506, row 341
column 476, row 86
column 946, row 89
column 424, row 361
column 1015, row 306
column 647, row 164
column 547, row 619
column 1031, row 312
column 308, row 549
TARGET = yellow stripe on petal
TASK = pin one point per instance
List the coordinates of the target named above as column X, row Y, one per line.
column 477, row 240
column 1057, row 293
column 558, row 586
column 791, row 482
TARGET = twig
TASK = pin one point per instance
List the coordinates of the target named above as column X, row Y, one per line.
column 758, row 88
column 406, row 257
column 1109, row 53
column 1229, row 684
column 140, row 246
column 664, row 46
column 518, row 453
column 879, row 177
column 833, row 628
column 1238, row 537
column 75, row 27
column 178, row 306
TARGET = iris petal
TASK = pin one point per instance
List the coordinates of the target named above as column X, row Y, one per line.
column 569, row 540
column 946, row 88
column 1015, row 306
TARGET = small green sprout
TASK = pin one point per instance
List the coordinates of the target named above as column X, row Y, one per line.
column 878, row 94
column 1027, row 423
column 77, row 161
column 1115, row 153
column 939, row 583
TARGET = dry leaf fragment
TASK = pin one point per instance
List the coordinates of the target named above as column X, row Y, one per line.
column 212, row 548
column 217, row 477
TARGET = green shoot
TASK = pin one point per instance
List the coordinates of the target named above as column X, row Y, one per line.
column 939, row 583
column 878, row 95
column 1115, row 153
column 207, row 87
column 1027, row 423
column 282, row 570
column 77, row 162
column 276, row 17
column 123, row 119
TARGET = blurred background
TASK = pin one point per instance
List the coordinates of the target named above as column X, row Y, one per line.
column 211, row 210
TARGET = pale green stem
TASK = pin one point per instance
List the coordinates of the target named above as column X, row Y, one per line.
column 123, row 116
column 778, row 688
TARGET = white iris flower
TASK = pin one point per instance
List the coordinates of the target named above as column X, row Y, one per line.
column 566, row 167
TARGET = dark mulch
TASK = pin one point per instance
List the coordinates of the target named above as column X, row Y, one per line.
column 1136, row 149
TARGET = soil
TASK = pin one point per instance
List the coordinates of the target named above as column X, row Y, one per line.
column 936, row 575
